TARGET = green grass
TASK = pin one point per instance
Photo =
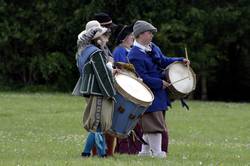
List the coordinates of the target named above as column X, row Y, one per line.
column 46, row 129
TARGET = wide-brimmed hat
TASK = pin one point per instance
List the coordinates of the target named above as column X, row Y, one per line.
column 122, row 31
column 141, row 26
column 104, row 19
column 91, row 25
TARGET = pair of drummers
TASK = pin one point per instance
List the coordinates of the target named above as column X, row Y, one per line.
column 95, row 83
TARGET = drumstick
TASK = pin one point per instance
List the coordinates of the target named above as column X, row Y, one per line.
column 179, row 80
column 187, row 59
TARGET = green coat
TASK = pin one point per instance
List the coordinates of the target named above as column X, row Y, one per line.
column 96, row 78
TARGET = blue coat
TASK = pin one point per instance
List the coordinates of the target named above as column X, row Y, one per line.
column 120, row 54
column 149, row 69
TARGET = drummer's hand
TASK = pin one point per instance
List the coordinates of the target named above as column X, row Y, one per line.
column 186, row 61
column 116, row 71
column 165, row 84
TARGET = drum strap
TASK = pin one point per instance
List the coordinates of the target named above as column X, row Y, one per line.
column 184, row 104
column 140, row 139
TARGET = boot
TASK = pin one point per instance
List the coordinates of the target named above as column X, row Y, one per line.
column 145, row 149
column 155, row 140
column 110, row 140
column 164, row 146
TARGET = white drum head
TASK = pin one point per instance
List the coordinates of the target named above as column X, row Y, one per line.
column 134, row 88
column 181, row 78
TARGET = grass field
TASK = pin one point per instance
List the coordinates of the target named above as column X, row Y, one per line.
column 45, row 129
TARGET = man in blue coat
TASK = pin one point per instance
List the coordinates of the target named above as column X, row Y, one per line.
column 149, row 63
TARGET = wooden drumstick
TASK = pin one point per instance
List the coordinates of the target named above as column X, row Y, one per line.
column 187, row 59
column 179, row 80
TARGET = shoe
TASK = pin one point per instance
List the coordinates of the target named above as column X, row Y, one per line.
column 103, row 156
column 159, row 154
column 145, row 154
column 85, row 154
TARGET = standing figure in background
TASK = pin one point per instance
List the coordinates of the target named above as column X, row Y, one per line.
column 124, row 41
column 106, row 21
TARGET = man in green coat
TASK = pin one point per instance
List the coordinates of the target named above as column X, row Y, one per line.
column 96, row 84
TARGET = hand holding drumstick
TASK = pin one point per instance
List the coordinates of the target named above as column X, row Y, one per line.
column 165, row 84
column 186, row 61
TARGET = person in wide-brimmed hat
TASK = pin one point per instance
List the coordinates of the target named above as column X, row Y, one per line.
column 96, row 85
column 124, row 41
column 93, row 29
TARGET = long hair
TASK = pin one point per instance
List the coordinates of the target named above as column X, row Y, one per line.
column 104, row 48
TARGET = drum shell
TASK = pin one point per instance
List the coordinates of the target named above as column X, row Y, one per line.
column 125, row 117
column 128, row 110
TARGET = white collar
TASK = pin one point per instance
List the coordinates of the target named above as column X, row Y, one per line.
column 128, row 49
column 142, row 47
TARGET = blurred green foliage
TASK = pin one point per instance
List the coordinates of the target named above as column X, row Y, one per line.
column 38, row 40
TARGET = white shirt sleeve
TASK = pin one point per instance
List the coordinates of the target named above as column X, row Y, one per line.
column 109, row 66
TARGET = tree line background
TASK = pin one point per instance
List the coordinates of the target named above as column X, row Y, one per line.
column 38, row 41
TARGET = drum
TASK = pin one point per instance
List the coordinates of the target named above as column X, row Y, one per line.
column 132, row 99
column 182, row 80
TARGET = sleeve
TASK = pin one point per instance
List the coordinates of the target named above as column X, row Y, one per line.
column 163, row 60
column 119, row 55
column 167, row 61
column 103, row 75
column 152, row 82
